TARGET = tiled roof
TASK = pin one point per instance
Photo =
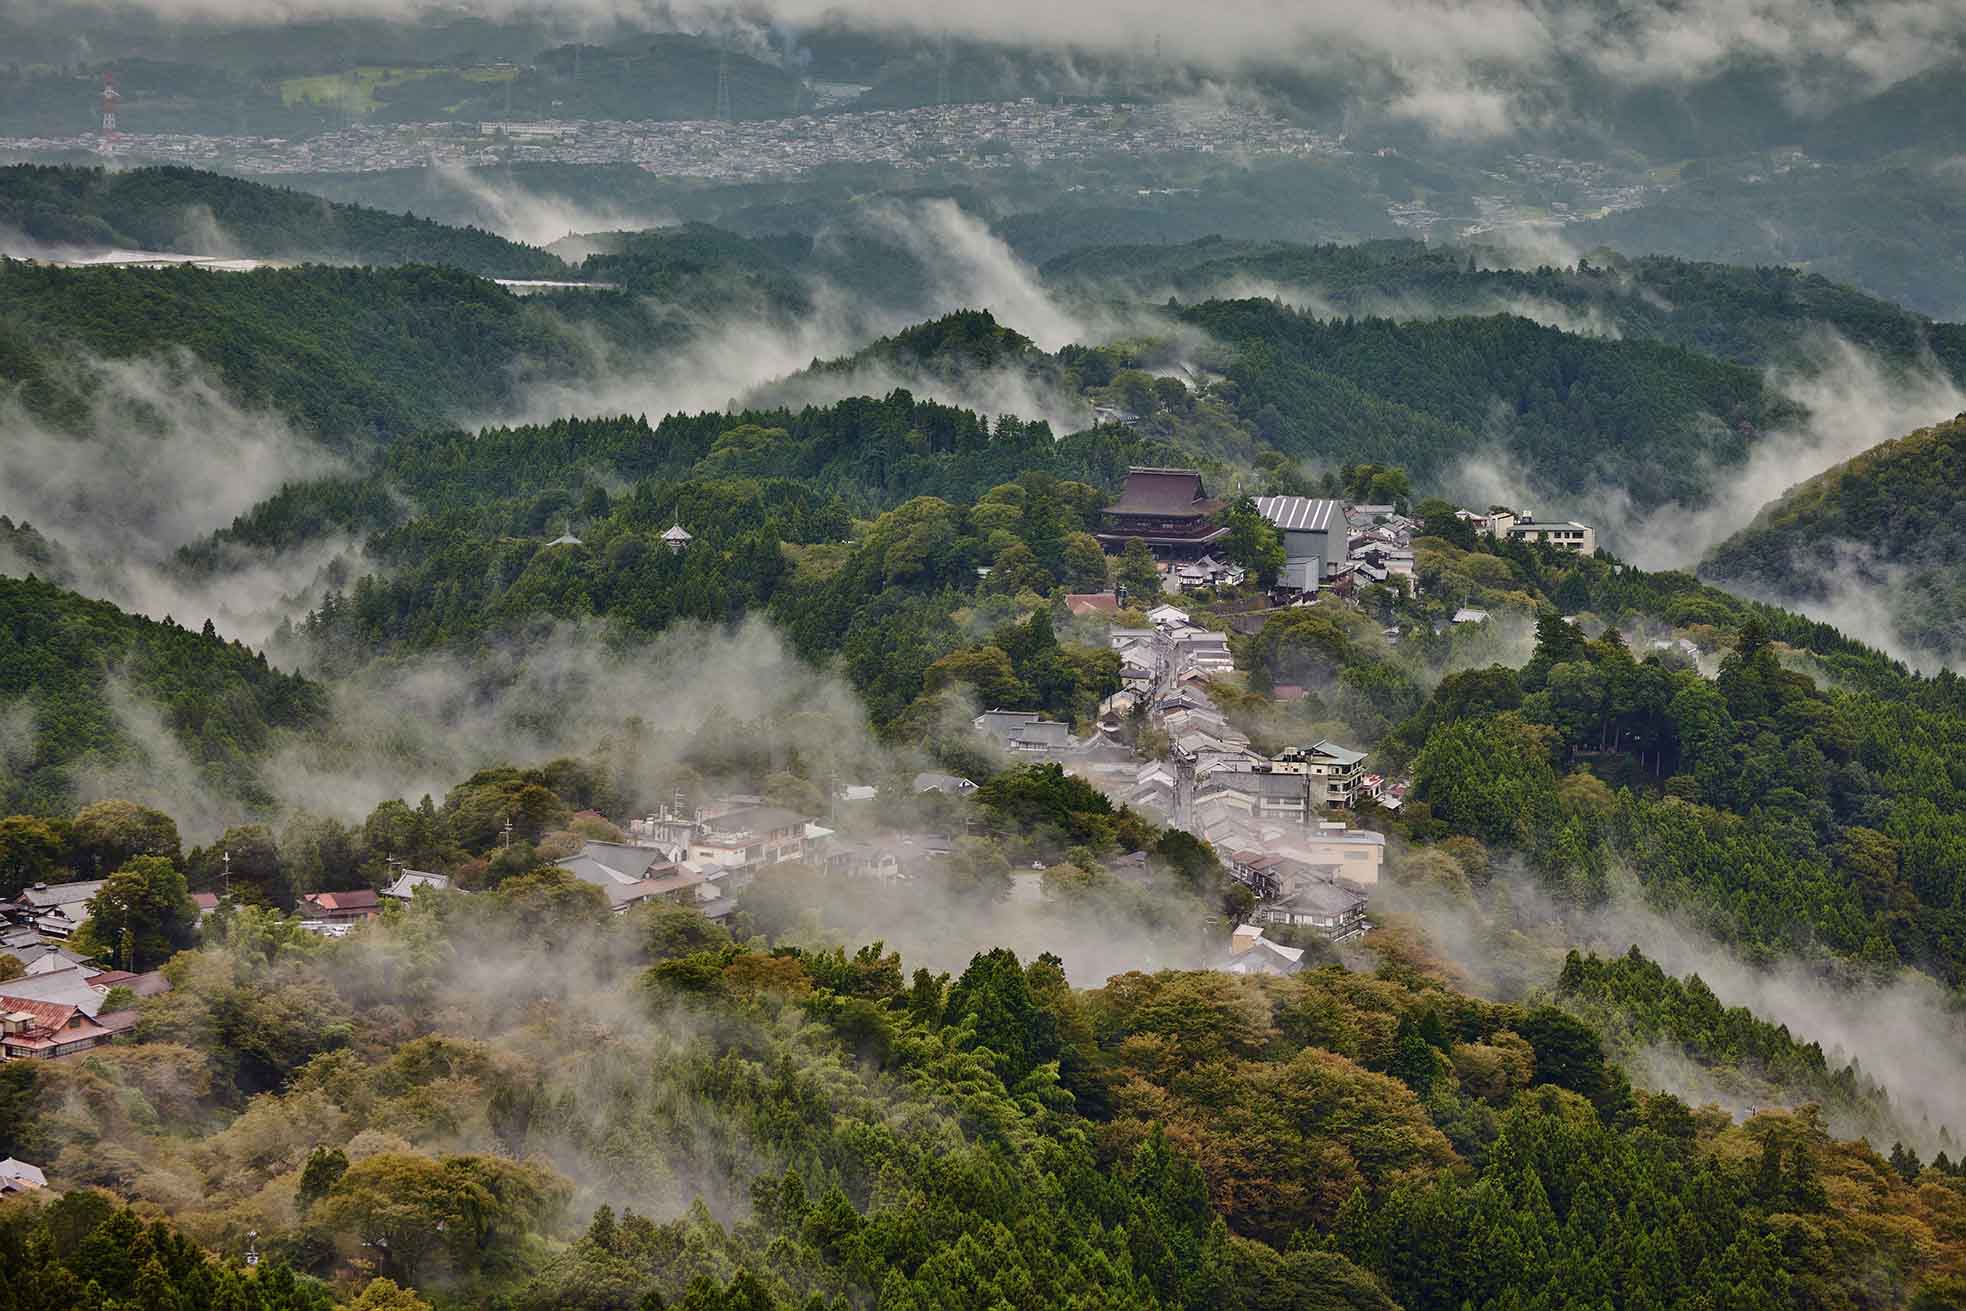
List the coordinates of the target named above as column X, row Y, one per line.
column 1163, row 492
column 356, row 899
column 42, row 896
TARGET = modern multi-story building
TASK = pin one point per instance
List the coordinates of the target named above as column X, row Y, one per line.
column 749, row 836
column 1567, row 536
column 1334, row 772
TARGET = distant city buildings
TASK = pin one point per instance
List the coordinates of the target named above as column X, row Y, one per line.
column 990, row 135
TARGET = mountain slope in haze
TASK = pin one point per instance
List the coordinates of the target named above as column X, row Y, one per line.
column 342, row 352
column 192, row 212
column 1889, row 224
column 1891, row 521
column 78, row 676
column 665, row 76
column 1756, row 316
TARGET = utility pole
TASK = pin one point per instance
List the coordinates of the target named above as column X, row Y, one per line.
column 724, row 114
column 226, row 890
column 507, row 831
column 110, row 96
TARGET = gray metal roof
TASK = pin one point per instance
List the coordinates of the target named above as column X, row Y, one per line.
column 1343, row 755
column 611, row 863
column 1302, row 514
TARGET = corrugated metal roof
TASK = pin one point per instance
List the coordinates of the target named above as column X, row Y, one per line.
column 1303, row 514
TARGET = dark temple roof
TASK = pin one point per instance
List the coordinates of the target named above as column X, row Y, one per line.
column 1164, row 492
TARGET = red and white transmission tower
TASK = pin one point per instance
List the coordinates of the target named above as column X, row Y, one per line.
column 110, row 95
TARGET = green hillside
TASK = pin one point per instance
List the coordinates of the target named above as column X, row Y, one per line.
column 343, row 351
column 59, row 656
column 1888, row 521
column 1577, row 412
column 191, row 212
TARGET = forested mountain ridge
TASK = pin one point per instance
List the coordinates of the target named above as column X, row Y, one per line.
column 63, row 659
column 193, row 212
column 1754, row 316
column 1887, row 521
column 382, row 352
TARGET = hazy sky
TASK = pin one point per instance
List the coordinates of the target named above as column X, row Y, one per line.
column 1433, row 40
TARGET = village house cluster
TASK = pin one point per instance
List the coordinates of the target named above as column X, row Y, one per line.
column 1274, row 818
column 59, row 1006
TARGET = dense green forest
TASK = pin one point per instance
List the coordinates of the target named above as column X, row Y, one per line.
column 1579, row 411
column 65, row 660
column 193, row 212
column 1791, row 817
column 1885, row 523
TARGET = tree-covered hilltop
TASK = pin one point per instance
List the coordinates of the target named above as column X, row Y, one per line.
column 1748, row 315
column 1886, row 522
column 1790, row 817
column 65, row 664
column 192, row 212
column 1787, row 817
column 863, row 271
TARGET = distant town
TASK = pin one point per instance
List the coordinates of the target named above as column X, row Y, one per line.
column 985, row 135
column 990, row 135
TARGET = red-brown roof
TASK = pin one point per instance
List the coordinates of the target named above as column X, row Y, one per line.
column 50, row 1014
column 205, row 900
column 1087, row 603
column 360, row 899
column 54, row 1023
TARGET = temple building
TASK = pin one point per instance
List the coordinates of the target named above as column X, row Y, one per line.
column 1169, row 510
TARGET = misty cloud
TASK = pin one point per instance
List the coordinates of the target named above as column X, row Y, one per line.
column 1467, row 68
column 1907, row 1036
column 1854, row 402
column 161, row 458
column 423, row 723
column 750, row 356
column 520, row 214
